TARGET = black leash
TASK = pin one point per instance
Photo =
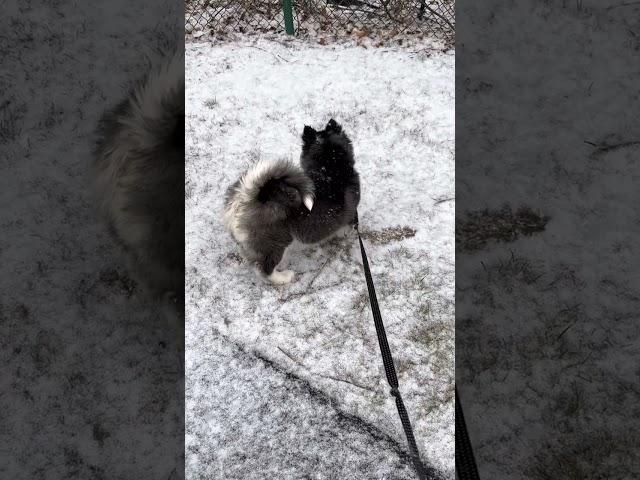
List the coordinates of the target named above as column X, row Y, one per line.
column 466, row 467
column 389, row 368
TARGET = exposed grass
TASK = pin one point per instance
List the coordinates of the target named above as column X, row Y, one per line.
column 388, row 235
column 11, row 117
column 475, row 229
column 211, row 103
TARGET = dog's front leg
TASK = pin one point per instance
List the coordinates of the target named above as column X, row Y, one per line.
column 268, row 270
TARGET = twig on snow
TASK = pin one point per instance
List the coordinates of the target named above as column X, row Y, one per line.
column 317, row 274
column 275, row 55
column 626, row 4
column 292, row 358
column 608, row 147
column 331, row 377
column 350, row 382
column 442, row 200
column 308, row 287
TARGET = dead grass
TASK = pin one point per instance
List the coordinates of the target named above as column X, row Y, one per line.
column 505, row 271
column 212, row 103
column 368, row 25
column 477, row 228
column 388, row 235
column 596, row 455
column 11, row 115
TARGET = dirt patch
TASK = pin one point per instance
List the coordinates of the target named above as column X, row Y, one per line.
column 388, row 235
column 477, row 228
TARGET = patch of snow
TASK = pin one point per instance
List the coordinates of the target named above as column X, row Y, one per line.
column 268, row 425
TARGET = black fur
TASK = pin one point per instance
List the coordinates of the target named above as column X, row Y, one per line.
column 327, row 158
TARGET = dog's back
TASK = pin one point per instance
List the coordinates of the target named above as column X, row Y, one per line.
column 327, row 158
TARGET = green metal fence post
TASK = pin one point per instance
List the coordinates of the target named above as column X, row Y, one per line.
column 288, row 16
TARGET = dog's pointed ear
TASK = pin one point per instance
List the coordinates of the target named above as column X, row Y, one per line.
column 333, row 126
column 308, row 135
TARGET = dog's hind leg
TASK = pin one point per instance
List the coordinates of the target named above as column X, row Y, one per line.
column 267, row 267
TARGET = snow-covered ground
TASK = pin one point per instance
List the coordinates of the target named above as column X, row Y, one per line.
column 547, row 329
column 90, row 384
column 251, row 420
column 250, row 99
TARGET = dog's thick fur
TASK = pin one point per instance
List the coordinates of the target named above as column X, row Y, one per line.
column 327, row 158
column 271, row 204
column 139, row 177
column 259, row 209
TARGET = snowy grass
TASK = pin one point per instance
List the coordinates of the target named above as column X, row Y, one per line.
column 90, row 386
column 249, row 100
column 272, row 425
column 547, row 323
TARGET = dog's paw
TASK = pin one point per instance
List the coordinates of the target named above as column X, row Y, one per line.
column 281, row 278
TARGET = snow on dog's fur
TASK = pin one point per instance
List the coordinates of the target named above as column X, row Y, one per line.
column 327, row 158
column 139, row 177
column 274, row 203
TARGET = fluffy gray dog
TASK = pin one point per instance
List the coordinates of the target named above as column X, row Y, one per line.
column 259, row 210
column 139, row 177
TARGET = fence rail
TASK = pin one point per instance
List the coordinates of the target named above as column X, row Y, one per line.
column 338, row 17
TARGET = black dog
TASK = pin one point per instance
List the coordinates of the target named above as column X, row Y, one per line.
column 327, row 158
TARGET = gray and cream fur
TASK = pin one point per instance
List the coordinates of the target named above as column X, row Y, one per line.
column 139, row 177
column 259, row 209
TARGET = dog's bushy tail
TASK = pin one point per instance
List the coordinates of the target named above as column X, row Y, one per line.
column 257, row 184
column 266, row 192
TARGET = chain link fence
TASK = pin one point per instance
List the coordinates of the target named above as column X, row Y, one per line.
column 308, row 17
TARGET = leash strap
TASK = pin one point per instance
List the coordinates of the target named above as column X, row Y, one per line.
column 466, row 467
column 389, row 368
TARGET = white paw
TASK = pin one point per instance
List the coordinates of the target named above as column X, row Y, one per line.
column 281, row 278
